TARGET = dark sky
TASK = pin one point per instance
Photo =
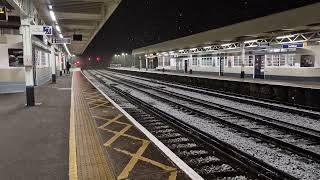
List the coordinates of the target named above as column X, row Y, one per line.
column 138, row 23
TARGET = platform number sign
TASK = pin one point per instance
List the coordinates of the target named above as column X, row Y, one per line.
column 3, row 13
column 47, row 30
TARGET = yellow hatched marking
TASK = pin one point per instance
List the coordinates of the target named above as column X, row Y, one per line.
column 100, row 105
column 125, row 172
column 97, row 100
column 110, row 121
column 94, row 97
column 133, row 161
column 91, row 93
column 97, row 104
column 117, row 135
column 115, row 121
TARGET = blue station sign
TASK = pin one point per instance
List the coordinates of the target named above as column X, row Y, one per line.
column 295, row 45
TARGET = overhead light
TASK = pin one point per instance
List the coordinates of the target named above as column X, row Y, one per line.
column 251, row 41
column 193, row 49
column 53, row 17
column 171, row 52
column 58, row 28
column 207, row 47
column 122, row 54
column 228, row 44
column 181, row 50
column 61, row 36
column 50, row 7
column 66, row 47
column 286, row 36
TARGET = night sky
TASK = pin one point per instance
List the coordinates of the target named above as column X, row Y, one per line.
column 138, row 23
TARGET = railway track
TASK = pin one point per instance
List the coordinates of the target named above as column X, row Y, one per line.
column 297, row 109
column 207, row 155
column 301, row 141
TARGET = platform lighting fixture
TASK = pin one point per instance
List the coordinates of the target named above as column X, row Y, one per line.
column 126, row 54
column 53, row 17
column 50, row 7
column 227, row 44
column 286, row 36
column 58, row 28
column 251, row 41
column 61, row 36
column 207, row 47
column 66, row 47
column 122, row 54
column 181, row 50
column 171, row 52
column 193, row 49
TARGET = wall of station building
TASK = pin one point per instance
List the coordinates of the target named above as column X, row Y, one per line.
column 277, row 63
column 12, row 76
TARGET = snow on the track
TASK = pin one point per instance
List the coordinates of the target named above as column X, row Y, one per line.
column 290, row 164
column 282, row 116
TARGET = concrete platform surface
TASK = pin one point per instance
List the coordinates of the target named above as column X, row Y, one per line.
column 34, row 140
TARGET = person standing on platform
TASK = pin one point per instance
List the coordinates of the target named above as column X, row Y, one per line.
column 68, row 66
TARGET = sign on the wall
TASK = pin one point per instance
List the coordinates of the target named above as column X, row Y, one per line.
column 61, row 40
column 3, row 13
column 41, row 30
column 296, row 45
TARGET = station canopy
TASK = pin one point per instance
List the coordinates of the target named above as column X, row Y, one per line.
column 296, row 21
column 77, row 17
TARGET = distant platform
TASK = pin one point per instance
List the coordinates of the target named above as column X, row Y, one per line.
column 287, row 92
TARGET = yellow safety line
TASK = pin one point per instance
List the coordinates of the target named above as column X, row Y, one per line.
column 73, row 175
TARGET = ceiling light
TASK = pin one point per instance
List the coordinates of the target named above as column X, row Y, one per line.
column 50, row 7
column 228, row 44
column 193, row 49
column 181, row 50
column 286, row 36
column 60, row 35
column 58, row 28
column 207, row 47
column 251, row 41
column 53, row 17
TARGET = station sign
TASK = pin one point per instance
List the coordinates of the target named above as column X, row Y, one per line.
column 263, row 44
column 61, row 40
column 296, row 45
column 3, row 13
column 41, row 30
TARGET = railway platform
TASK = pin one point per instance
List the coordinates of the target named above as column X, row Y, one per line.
column 75, row 132
column 287, row 92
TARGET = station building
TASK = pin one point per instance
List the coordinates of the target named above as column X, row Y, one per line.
column 282, row 46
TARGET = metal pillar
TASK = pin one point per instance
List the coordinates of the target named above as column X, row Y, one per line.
column 60, row 62
column 243, row 55
column 28, row 60
column 53, row 64
column 147, row 64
